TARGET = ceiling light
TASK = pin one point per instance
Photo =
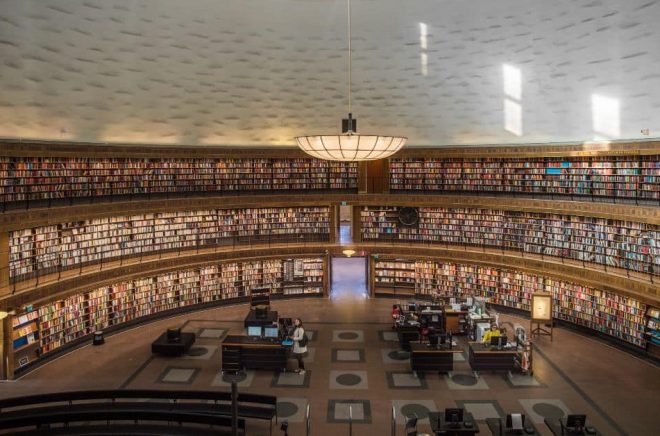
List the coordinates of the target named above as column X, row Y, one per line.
column 348, row 253
column 349, row 146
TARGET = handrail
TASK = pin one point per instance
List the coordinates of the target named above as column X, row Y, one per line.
column 308, row 421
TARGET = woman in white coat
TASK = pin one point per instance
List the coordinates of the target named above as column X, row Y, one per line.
column 299, row 348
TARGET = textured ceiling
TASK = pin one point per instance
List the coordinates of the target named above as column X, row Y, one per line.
column 259, row 72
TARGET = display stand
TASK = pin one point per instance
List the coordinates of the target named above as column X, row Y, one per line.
column 541, row 314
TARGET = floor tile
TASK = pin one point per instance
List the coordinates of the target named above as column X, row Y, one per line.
column 406, row 380
column 291, row 379
column 465, row 382
column 348, row 336
column 178, row 375
column 207, row 333
column 338, row 411
column 291, row 409
column 348, row 355
column 482, row 409
column 410, row 408
column 348, row 380
column 395, row 355
column 538, row 409
column 201, row 352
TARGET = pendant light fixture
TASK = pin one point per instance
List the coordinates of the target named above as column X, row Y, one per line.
column 349, row 146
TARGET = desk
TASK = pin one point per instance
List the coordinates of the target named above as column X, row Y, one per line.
column 485, row 358
column 495, row 424
column 252, row 320
column 251, row 352
column 423, row 358
column 445, row 430
column 175, row 348
column 456, row 321
column 407, row 333
column 555, row 426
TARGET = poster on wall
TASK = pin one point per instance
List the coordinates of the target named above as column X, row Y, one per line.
column 541, row 307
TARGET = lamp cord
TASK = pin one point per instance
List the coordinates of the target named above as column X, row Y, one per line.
column 349, row 57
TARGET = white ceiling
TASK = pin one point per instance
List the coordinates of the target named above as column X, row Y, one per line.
column 259, row 72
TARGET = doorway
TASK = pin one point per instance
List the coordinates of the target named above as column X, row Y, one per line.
column 349, row 278
column 345, row 224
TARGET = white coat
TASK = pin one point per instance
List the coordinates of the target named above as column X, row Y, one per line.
column 298, row 334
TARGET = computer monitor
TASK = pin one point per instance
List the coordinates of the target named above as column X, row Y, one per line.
column 453, row 416
column 412, row 307
column 498, row 341
column 576, row 422
column 515, row 422
column 254, row 330
column 271, row 332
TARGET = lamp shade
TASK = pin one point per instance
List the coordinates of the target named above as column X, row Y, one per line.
column 350, row 147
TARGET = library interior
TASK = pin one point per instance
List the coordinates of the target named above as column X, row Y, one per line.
column 198, row 237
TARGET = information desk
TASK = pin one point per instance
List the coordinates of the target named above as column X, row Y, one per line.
column 252, row 320
column 423, row 358
column 440, row 427
column 251, row 352
column 497, row 427
column 555, row 426
column 487, row 358
column 173, row 348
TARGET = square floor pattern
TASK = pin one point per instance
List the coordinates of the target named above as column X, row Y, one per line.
column 482, row 409
column 349, row 379
column 178, row 375
column 340, row 410
column 411, row 408
column 538, row 409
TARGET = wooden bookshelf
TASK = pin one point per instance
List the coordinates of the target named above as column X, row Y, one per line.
column 50, row 326
column 44, row 179
column 629, row 245
column 612, row 314
column 46, row 249
column 632, row 177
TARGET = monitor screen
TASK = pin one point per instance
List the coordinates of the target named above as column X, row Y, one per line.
column 498, row 341
column 271, row 332
column 412, row 308
column 453, row 415
column 576, row 421
column 254, row 330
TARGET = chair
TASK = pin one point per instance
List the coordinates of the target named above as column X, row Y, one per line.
column 411, row 426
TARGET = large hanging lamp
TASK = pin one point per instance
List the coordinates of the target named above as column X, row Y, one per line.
column 349, row 146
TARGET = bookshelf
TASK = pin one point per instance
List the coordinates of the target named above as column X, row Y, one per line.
column 46, row 249
column 614, row 315
column 653, row 330
column 623, row 244
column 49, row 327
column 28, row 179
column 634, row 177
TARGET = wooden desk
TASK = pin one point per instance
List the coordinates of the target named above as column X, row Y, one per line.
column 439, row 417
column 423, row 358
column 485, row 358
column 249, row 352
column 252, row 320
column 555, row 426
column 456, row 321
column 495, row 424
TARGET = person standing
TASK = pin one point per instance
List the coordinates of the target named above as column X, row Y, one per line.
column 299, row 344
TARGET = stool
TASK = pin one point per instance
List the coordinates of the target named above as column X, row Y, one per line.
column 98, row 338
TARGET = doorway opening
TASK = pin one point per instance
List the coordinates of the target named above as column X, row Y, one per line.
column 349, row 278
column 345, row 224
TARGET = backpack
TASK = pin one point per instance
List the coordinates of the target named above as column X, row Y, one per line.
column 303, row 341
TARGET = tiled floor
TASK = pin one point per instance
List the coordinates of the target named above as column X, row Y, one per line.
column 354, row 365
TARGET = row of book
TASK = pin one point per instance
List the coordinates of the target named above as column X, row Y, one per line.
column 623, row 244
column 32, row 178
column 41, row 250
column 54, row 324
column 607, row 176
column 616, row 315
